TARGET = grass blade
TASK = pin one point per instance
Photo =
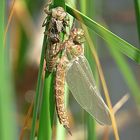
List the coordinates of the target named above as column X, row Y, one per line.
column 91, row 127
column 137, row 11
column 120, row 44
column 60, row 3
column 105, row 89
column 125, row 70
column 9, row 20
column 8, row 127
column 48, row 104
column 90, row 122
column 47, row 109
column 37, row 95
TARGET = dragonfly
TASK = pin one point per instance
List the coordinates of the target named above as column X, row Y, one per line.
column 78, row 75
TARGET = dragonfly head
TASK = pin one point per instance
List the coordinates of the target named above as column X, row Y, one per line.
column 77, row 35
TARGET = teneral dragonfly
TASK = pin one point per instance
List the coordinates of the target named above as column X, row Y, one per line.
column 80, row 79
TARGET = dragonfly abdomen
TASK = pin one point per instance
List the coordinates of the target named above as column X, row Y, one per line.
column 59, row 95
column 52, row 56
column 51, row 64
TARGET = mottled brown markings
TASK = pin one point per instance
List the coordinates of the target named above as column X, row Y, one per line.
column 59, row 94
column 59, row 82
column 57, row 21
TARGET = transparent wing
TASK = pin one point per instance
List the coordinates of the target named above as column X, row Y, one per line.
column 81, row 83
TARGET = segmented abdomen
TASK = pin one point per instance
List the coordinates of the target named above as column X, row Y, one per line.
column 59, row 94
column 51, row 56
column 51, row 63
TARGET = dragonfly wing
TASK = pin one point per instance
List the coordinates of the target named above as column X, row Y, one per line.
column 86, row 68
column 81, row 83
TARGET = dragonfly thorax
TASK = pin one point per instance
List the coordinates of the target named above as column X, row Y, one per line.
column 74, row 51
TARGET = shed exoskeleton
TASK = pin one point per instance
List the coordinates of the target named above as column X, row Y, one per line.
column 56, row 22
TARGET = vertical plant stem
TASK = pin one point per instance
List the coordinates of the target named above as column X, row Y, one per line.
column 91, row 125
column 8, row 127
column 137, row 11
column 47, row 109
column 114, row 125
column 36, row 103
column 9, row 21
column 60, row 130
column 60, row 3
column 48, row 104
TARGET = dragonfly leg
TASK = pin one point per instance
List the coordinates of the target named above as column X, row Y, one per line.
column 47, row 11
column 44, row 22
column 47, row 8
column 59, row 50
